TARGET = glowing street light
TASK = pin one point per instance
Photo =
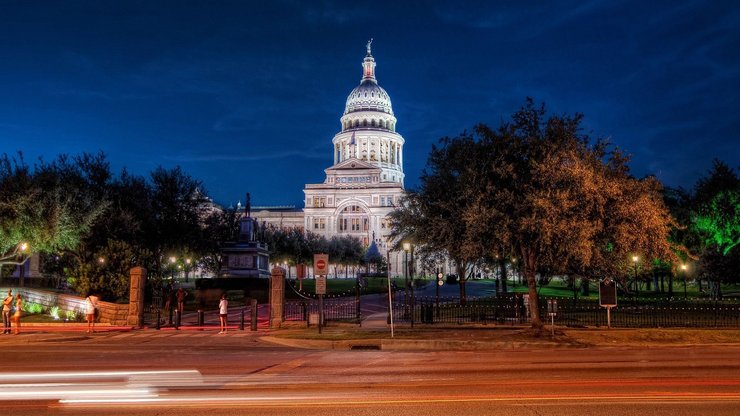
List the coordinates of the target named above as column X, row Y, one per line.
column 406, row 249
column 635, row 259
column 683, row 270
column 101, row 260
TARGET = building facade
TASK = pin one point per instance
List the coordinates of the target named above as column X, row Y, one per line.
column 365, row 183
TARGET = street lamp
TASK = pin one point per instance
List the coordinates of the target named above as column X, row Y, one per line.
column 513, row 270
column 683, row 270
column 188, row 261
column 173, row 259
column 635, row 259
column 23, row 247
column 406, row 249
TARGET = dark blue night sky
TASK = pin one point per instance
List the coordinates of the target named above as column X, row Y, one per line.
column 246, row 96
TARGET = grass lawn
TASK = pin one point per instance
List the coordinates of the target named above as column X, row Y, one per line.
column 347, row 287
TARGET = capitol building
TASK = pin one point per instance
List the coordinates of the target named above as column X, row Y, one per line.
column 365, row 182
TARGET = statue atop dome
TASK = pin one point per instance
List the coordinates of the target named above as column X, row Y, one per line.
column 369, row 44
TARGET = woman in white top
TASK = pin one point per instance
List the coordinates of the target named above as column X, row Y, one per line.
column 223, row 309
column 90, row 306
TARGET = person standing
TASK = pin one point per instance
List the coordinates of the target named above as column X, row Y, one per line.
column 17, row 314
column 90, row 306
column 181, row 295
column 223, row 310
column 7, row 304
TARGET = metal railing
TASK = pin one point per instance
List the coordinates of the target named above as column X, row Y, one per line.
column 579, row 313
column 341, row 309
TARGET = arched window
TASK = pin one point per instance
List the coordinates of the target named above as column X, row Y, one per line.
column 352, row 219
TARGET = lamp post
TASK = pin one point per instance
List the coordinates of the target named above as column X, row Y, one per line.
column 188, row 261
column 406, row 248
column 22, row 266
column 513, row 270
column 635, row 259
column 172, row 259
column 683, row 270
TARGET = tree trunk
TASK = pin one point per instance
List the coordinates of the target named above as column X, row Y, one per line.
column 461, row 266
column 502, row 267
column 530, row 274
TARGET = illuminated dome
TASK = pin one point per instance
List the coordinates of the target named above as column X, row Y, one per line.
column 368, row 96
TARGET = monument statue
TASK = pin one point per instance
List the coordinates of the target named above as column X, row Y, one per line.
column 369, row 43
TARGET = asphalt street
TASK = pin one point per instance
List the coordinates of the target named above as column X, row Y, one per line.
column 194, row 372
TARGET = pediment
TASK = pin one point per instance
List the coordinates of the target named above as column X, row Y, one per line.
column 352, row 164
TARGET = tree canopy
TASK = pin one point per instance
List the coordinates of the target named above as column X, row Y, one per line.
column 537, row 188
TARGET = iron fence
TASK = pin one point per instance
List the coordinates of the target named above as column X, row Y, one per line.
column 576, row 313
column 339, row 309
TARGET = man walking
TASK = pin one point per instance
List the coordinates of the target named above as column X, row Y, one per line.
column 7, row 302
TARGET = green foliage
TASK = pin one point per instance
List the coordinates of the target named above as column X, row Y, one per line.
column 50, row 208
column 54, row 312
column 33, row 307
column 719, row 220
column 72, row 315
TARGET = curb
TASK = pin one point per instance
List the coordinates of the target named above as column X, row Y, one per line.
column 410, row 344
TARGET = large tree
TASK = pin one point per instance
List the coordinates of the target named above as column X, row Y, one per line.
column 538, row 188
column 52, row 207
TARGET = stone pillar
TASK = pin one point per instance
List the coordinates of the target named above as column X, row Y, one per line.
column 136, row 297
column 277, row 296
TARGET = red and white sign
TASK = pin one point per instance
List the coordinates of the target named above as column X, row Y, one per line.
column 320, row 264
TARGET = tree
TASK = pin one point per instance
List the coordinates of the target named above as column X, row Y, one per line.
column 715, row 221
column 432, row 217
column 536, row 187
column 52, row 207
column 564, row 204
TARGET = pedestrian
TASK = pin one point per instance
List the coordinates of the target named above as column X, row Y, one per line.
column 91, row 306
column 7, row 304
column 181, row 295
column 223, row 309
column 17, row 314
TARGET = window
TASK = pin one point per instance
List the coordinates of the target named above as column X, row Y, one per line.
column 319, row 223
column 319, row 201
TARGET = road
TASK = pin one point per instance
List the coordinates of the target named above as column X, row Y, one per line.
column 171, row 373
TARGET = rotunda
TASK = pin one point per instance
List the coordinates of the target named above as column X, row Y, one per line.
column 369, row 127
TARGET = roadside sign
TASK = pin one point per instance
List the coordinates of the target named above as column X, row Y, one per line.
column 608, row 293
column 321, row 284
column 320, row 264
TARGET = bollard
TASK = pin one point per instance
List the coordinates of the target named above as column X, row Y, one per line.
column 200, row 319
column 253, row 304
column 177, row 319
column 158, row 318
column 241, row 321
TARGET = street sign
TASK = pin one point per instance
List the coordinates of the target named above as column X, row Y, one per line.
column 321, row 284
column 608, row 293
column 320, row 264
